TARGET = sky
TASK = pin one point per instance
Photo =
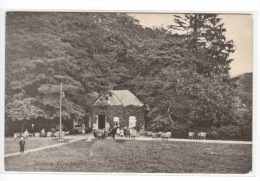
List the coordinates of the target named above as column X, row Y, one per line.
column 239, row 29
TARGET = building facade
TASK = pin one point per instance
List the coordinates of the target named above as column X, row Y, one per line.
column 120, row 108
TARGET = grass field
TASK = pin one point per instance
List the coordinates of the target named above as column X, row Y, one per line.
column 12, row 145
column 136, row 156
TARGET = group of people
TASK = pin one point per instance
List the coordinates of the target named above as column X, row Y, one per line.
column 25, row 135
column 42, row 133
column 122, row 131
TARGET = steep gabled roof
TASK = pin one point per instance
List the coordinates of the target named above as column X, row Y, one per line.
column 119, row 97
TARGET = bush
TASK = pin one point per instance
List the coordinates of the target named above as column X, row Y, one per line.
column 228, row 132
column 181, row 130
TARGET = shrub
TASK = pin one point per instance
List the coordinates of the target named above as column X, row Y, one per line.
column 228, row 132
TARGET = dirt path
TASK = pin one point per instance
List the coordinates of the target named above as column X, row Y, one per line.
column 73, row 139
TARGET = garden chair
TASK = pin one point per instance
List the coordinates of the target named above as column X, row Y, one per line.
column 160, row 133
column 99, row 134
column 166, row 135
column 163, row 136
column 37, row 135
column 202, row 135
column 191, row 135
column 155, row 135
column 143, row 133
column 134, row 135
column 17, row 135
column 49, row 134
column 122, row 133
column 108, row 135
column 149, row 134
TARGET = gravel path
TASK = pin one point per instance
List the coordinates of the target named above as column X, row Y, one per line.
column 90, row 136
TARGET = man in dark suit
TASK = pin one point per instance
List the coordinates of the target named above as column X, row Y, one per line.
column 22, row 144
column 114, row 131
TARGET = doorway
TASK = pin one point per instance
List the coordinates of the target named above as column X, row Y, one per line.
column 101, row 121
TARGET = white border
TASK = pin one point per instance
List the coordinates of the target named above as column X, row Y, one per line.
column 212, row 6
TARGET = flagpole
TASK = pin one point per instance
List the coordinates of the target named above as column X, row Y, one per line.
column 60, row 107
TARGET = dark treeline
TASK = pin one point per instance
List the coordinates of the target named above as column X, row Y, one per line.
column 184, row 79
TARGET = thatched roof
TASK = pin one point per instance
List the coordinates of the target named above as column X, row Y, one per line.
column 119, row 97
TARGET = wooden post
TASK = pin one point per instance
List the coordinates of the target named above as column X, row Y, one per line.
column 60, row 110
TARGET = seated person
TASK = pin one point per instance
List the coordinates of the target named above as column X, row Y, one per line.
column 122, row 132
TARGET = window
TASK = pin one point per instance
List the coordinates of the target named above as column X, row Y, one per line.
column 76, row 123
column 116, row 120
column 132, row 121
column 95, row 126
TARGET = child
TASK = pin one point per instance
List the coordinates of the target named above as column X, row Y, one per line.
column 22, row 144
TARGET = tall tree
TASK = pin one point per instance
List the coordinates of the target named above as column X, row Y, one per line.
column 183, row 78
column 206, row 34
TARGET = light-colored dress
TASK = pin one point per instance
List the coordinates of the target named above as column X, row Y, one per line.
column 118, row 131
column 26, row 134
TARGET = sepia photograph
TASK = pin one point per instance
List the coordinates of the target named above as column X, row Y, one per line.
column 125, row 92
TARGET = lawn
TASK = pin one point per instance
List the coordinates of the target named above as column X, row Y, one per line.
column 12, row 145
column 136, row 156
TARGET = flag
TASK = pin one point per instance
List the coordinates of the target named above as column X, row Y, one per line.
column 63, row 94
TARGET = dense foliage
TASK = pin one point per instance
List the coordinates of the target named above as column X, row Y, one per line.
column 184, row 82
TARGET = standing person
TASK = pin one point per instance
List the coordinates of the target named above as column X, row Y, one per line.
column 53, row 132
column 43, row 133
column 124, row 130
column 26, row 134
column 131, row 131
column 114, row 131
column 22, row 144
column 127, row 132
column 83, row 127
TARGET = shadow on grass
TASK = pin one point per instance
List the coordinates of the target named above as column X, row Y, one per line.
column 120, row 141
